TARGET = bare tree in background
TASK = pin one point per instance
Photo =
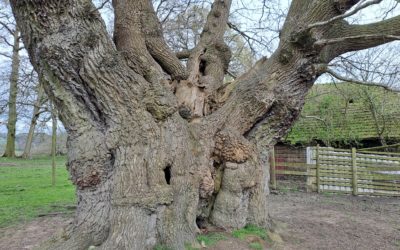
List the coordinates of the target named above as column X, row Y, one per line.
column 155, row 145
column 37, row 110
column 10, row 30
column 23, row 91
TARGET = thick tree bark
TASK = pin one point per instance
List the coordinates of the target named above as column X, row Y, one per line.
column 153, row 147
column 12, row 99
column 35, row 116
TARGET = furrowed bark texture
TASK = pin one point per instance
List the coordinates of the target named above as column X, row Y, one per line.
column 158, row 150
column 12, row 99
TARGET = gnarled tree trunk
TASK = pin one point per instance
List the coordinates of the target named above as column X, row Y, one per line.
column 154, row 146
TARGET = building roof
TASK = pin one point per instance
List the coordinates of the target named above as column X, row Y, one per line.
column 346, row 112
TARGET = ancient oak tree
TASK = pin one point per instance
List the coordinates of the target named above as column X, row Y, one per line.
column 155, row 145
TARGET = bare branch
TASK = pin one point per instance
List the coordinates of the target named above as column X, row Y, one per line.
column 351, row 80
column 6, row 41
column 244, row 35
column 233, row 75
column 5, row 55
column 7, row 28
column 362, row 5
column 101, row 6
column 315, row 118
column 345, row 38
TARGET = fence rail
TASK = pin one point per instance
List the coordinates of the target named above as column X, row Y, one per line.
column 345, row 171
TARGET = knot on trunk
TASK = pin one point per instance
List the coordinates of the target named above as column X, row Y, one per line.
column 160, row 103
column 90, row 179
column 343, row 5
column 241, row 175
column 206, row 185
column 219, row 54
column 285, row 55
column 232, row 147
column 89, row 161
column 303, row 38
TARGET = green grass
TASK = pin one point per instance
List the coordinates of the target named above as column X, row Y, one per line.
column 256, row 245
column 26, row 191
column 210, row 238
column 250, row 230
column 161, row 247
column 285, row 189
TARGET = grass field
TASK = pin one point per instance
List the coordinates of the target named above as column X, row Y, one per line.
column 26, row 190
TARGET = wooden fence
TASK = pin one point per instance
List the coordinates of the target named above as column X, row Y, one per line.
column 355, row 172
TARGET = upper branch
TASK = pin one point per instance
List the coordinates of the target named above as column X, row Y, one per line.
column 207, row 65
column 84, row 75
column 359, row 7
column 156, row 44
column 216, row 23
column 388, row 29
column 211, row 55
column 139, row 36
column 359, row 37
column 5, row 26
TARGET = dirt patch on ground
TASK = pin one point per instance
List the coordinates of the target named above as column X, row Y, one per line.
column 321, row 221
column 30, row 235
column 303, row 220
column 5, row 164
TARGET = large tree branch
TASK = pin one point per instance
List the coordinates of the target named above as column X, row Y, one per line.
column 207, row 64
column 82, row 72
column 156, row 44
column 388, row 29
column 130, row 41
column 211, row 47
column 139, row 35
column 277, row 87
column 346, row 38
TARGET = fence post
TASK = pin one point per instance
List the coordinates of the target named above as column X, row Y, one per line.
column 354, row 170
column 273, row 168
column 318, row 168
